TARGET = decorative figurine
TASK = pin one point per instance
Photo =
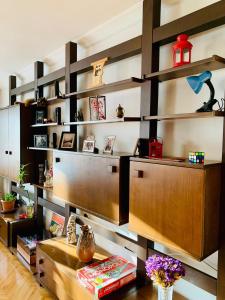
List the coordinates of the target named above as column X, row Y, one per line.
column 120, row 111
column 182, row 51
column 98, row 71
column 196, row 157
column 71, row 230
column 48, row 173
column 86, row 244
column 155, row 148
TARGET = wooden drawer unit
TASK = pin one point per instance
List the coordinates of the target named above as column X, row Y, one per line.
column 4, row 231
column 94, row 183
column 176, row 206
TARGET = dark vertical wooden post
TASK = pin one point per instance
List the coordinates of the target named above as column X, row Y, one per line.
column 71, row 81
column 149, row 89
column 12, row 85
column 221, row 252
column 38, row 73
column 38, row 211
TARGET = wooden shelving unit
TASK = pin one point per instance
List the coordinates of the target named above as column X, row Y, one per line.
column 133, row 82
column 122, row 120
column 213, row 63
column 185, row 116
column 42, row 149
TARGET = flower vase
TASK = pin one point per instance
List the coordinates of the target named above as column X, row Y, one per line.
column 86, row 244
column 165, row 293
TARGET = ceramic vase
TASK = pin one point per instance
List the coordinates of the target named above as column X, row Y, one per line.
column 86, row 244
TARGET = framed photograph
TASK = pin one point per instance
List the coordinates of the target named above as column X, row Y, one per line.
column 67, row 141
column 40, row 115
column 41, row 141
column 97, row 108
column 88, row 146
column 109, row 142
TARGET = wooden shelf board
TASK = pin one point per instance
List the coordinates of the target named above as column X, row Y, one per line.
column 125, row 119
column 43, row 187
column 185, row 116
column 46, row 125
column 107, row 88
column 213, row 63
column 43, row 149
column 167, row 161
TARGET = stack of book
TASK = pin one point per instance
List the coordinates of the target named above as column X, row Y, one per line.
column 106, row 276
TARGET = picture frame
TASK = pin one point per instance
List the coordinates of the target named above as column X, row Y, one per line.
column 40, row 115
column 97, row 107
column 67, row 141
column 88, row 146
column 41, row 141
column 109, row 143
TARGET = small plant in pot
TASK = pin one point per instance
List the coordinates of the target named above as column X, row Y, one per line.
column 22, row 175
column 8, row 202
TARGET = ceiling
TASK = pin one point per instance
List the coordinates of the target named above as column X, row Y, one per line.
column 30, row 29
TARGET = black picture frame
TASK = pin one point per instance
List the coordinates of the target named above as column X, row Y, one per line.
column 97, row 107
column 40, row 115
column 67, row 141
column 41, row 140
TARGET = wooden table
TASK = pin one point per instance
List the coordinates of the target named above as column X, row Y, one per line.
column 57, row 264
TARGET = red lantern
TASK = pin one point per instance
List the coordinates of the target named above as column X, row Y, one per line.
column 182, row 51
column 155, row 148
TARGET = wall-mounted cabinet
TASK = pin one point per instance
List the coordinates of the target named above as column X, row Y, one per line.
column 177, row 206
column 14, row 140
column 98, row 184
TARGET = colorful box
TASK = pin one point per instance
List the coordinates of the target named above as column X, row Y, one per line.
column 197, row 157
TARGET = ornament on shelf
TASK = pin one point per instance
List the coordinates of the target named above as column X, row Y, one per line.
column 71, row 230
column 98, row 71
column 155, row 147
column 120, row 111
column 182, row 51
column 196, row 157
column 86, row 244
column 48, row 173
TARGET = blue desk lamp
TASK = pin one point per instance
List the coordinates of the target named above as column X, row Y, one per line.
column 196, row 83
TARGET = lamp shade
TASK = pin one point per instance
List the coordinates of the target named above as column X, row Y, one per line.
column 196, row 82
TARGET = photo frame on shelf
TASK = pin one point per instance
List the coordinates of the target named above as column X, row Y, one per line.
column 40, row 116
column 88, row 146
column 109, row 143
column 97, row 107
column 67, row 141
column 41, row 141
column 98, row 71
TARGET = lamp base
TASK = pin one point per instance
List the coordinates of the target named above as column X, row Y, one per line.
column 207, row 106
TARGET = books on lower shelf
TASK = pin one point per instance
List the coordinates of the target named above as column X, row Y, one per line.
column 103, row 277
column 26, row 247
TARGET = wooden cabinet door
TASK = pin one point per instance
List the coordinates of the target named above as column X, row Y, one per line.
column 14, row 141
column 89, row 182
column 166, row 205
column 4, row 142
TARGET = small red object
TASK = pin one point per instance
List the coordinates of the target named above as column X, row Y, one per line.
column 182, row 51
column 155, row 148
column 23, row 216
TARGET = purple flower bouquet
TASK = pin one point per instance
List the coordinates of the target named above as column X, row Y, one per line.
column 164, row 270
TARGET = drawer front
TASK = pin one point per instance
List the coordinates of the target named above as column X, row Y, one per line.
column 166, row 205
column 4, row 231
column 89, row 182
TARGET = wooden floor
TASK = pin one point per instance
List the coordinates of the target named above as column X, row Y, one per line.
column 16, row 282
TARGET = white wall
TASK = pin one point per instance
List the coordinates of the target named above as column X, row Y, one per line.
column 174, row 96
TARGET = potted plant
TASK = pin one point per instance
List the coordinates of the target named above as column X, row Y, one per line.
column 8, row 202
column 22, row 174
column 164, row 271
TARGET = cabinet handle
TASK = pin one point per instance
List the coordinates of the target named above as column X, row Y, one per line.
column 6, row 152
column 41, row 274
column 139, row 173
column 10, row 152
column 41, row 261
column 57, row 159
column 112, row 169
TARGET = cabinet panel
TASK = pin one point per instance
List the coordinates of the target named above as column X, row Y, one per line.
column 4, row 231
column 4, row 142
column 14, row 141
column 168, row 205
column 91, row 183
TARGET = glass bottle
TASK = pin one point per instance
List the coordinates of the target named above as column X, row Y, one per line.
column 86, row 244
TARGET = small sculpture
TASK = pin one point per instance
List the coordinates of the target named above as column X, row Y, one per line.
column 98, row 71
column 71, row 230
column 86, row 244
column 120, row 111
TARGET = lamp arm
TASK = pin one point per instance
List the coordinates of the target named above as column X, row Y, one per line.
column 212, row 90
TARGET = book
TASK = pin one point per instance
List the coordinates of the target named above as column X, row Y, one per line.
column 57, row 225
column 103, row 277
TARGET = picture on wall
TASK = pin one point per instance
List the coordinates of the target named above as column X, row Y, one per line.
column 41, row 141
column 97, row 106
column 109, row 143
column 67, row 141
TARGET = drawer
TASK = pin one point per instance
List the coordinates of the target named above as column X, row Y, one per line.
column 4, row 231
